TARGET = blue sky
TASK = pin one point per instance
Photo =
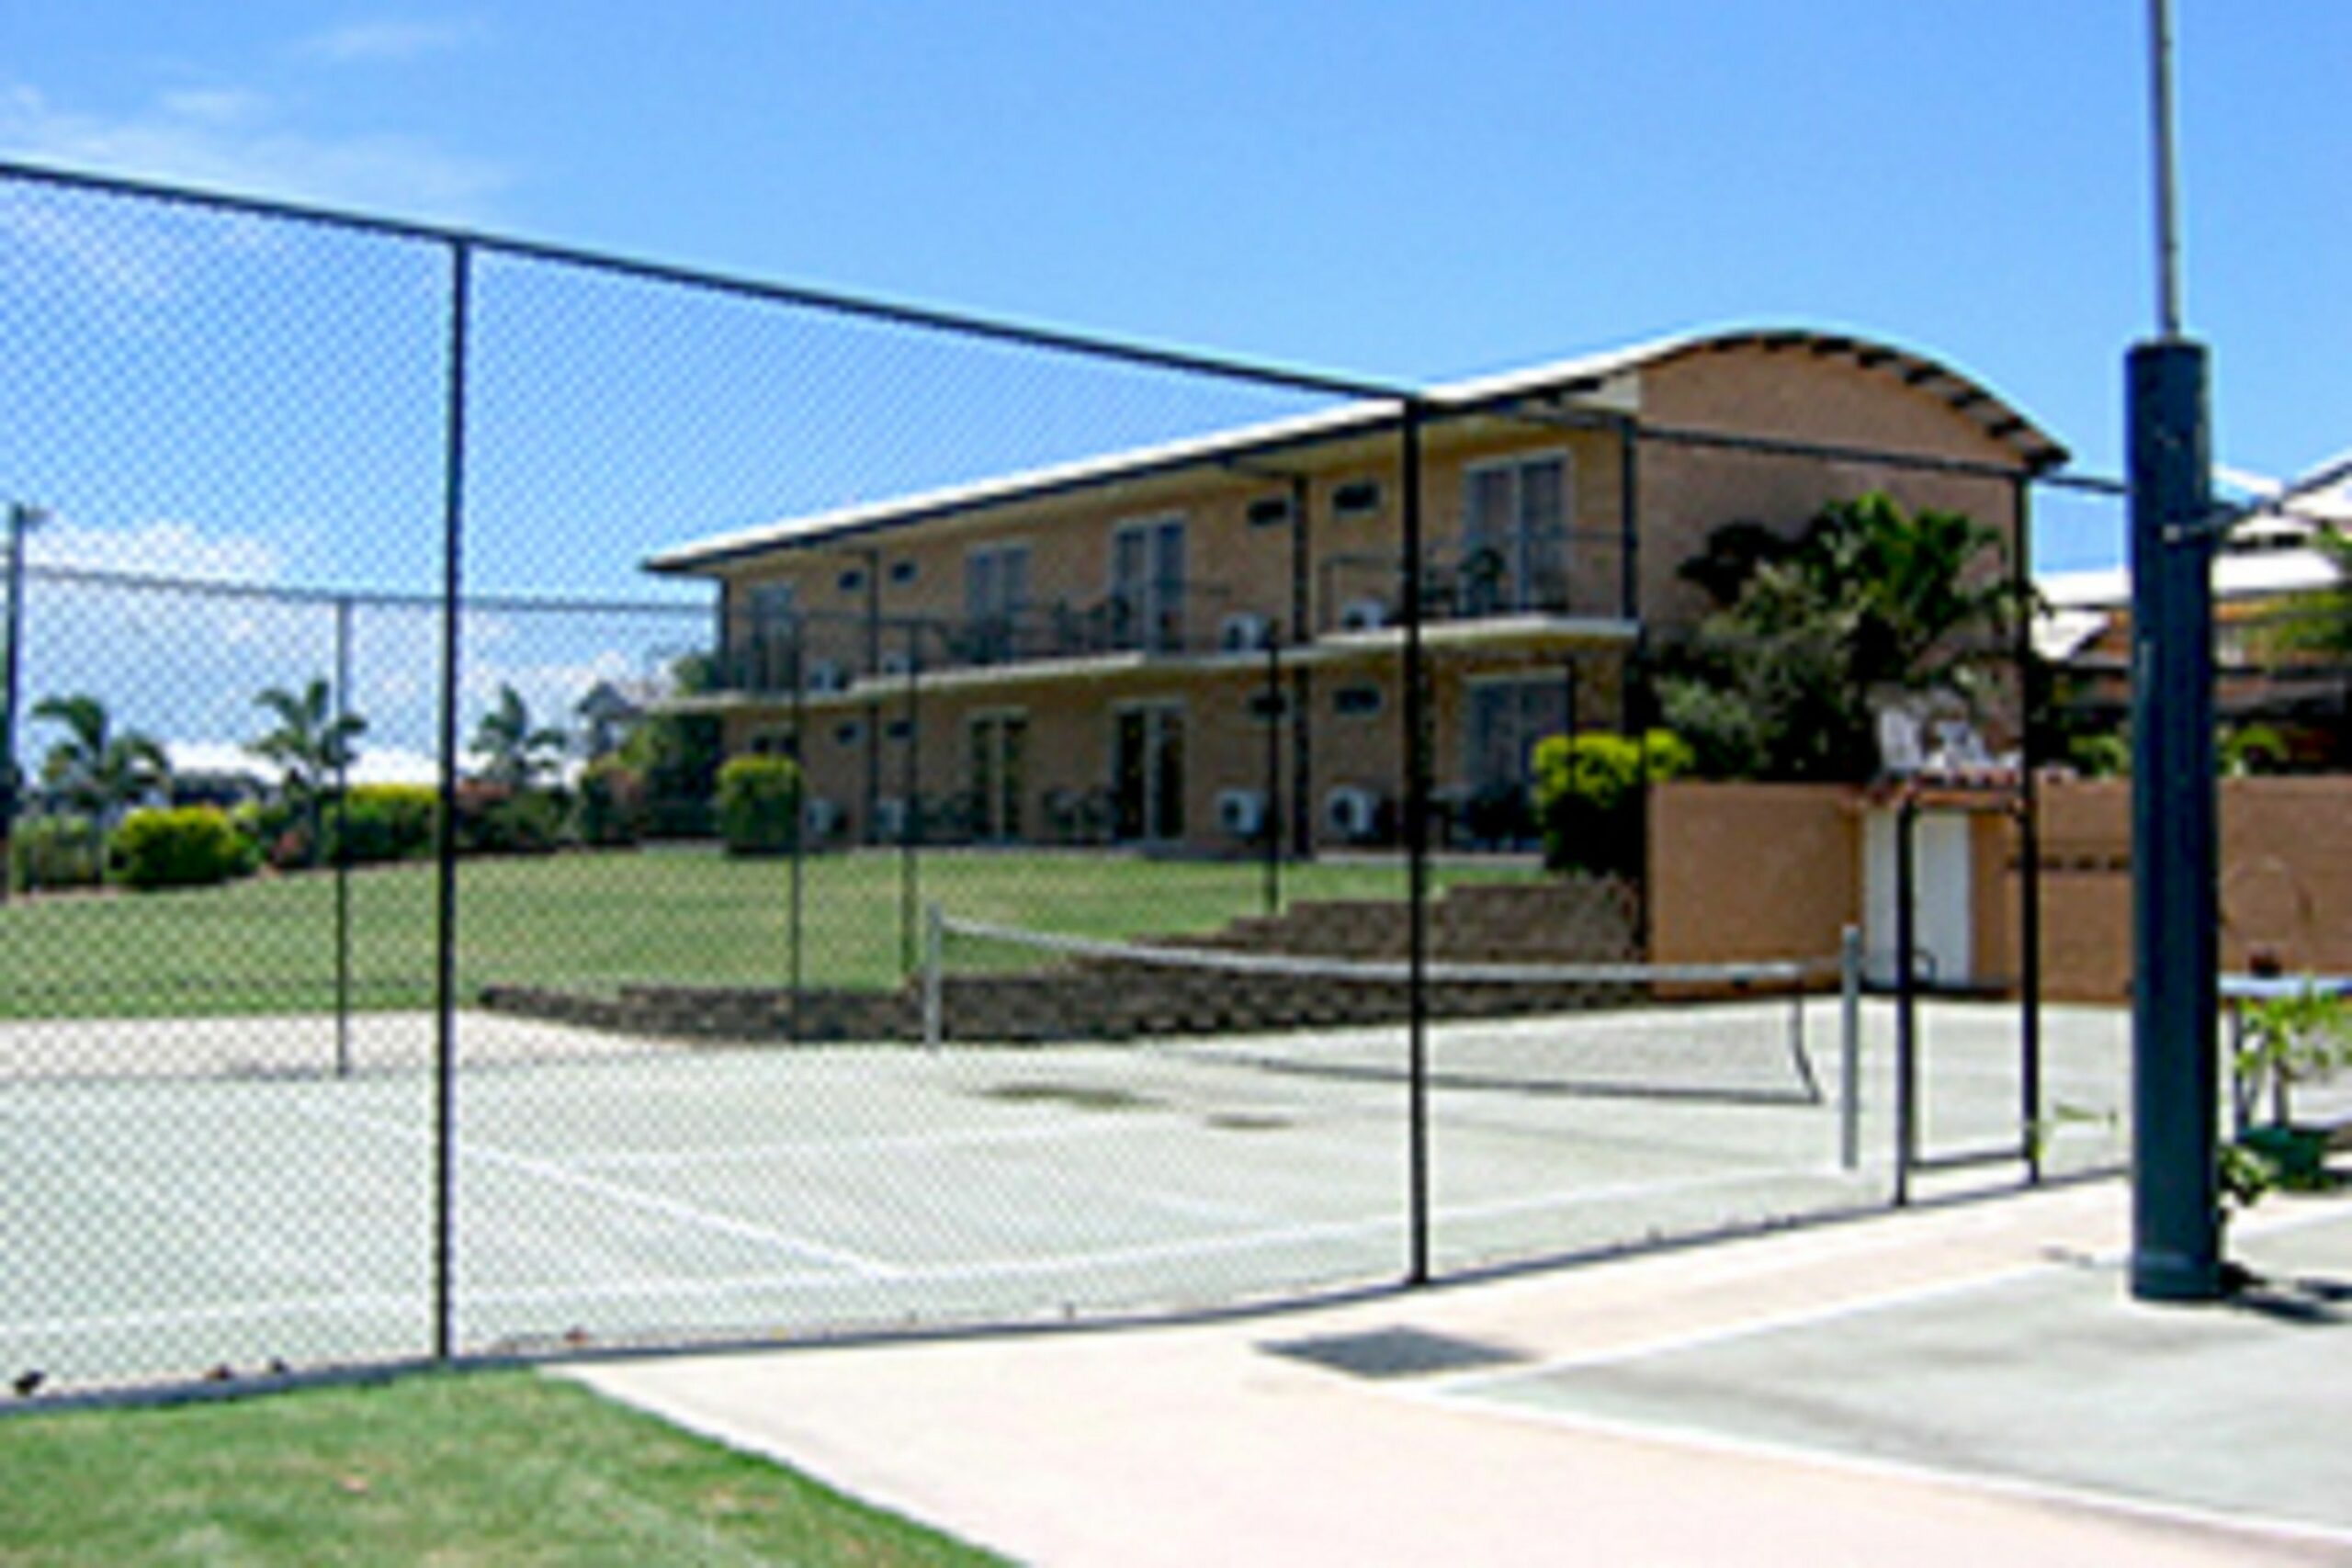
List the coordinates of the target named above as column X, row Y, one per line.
column 1413, row 191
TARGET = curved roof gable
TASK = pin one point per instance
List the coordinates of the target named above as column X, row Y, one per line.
column 1970, row 399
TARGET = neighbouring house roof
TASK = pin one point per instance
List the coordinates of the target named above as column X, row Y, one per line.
column 2253, row 575
column 218, row 760
column 621, row 699
column 1599, row 382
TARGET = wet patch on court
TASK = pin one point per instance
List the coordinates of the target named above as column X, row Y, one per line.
column 1385, row 1353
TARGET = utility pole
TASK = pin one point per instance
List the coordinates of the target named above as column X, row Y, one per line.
column 2176, row 1211
column 22, row 519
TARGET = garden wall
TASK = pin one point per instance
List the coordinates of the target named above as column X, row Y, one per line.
column 2286, row 880
column 1751, row 871
column 1741, row 871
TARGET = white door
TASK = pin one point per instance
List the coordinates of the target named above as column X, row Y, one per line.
column 1942, row 901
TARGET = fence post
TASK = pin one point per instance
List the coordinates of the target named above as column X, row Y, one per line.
column 934, row 943
column 1271, row 826
column 445, row 984
column 1849, row 1048
column 342, row 837
column 799, row 812
column 910, row 868
column 1417, row 850
column 1906, row 998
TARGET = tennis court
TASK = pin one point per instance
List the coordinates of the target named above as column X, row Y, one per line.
column 250, row 1205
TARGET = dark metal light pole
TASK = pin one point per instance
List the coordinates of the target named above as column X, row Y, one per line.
column 2176, row 1214
column 21, row 519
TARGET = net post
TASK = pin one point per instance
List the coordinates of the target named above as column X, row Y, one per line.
column 1849, row 1048
column 935, row 935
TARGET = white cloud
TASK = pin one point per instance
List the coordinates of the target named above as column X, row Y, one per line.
column 157, row 549
column 235, row 141
column 387, row 40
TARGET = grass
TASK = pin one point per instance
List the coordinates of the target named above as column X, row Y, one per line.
column 595, row 919
column 506, row 1468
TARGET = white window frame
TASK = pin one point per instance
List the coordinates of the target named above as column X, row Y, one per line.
column 1522, row 550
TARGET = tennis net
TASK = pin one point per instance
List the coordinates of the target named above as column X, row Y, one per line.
column 1730, row 1033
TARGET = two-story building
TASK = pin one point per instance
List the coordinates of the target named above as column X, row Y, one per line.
column 1099, row 651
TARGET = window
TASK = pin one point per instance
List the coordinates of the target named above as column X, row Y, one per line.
column 902, row 572
column 1266, row 707
column 1355, row 500
column 1356, row 702
column 1514, row 536
column 900, row 729
column 768, row 605
column 1147, row 585
column 848, row 733
column 851, row 580
column 1503, row 721
column 1269, row 511
column 996, row 592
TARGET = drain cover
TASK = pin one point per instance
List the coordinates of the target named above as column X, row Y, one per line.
column 1393, row 1353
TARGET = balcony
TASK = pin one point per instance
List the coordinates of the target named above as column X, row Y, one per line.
column 1562, row 574
column 817, row 656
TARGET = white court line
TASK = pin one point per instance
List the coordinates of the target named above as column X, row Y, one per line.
column 876, row 1143
column 418, row 1302
column 670, row 1208
column 912, row 1275
column 1447, row 1398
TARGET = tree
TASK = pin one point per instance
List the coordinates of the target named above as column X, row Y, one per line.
column 99, row 773
column 678, row 755
column 515, row 752
column 309, row 745
column 2318, row 621
column 1779, row 681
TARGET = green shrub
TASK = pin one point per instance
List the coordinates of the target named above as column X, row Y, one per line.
column 612, row 807
column 57, row 852
column 188, row 846
column 499, row 819
column 1588, row 795
column 381, row 822
column 759, row 805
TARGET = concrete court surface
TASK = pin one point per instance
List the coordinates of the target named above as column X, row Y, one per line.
column 1721, row 1403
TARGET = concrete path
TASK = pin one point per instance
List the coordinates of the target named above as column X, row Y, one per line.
column 1501, row 1424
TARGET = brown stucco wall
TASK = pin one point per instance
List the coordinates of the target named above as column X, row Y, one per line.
column 1751, row 871
column 2286, row 880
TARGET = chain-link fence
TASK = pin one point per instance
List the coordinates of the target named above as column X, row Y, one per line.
column 1061, row 829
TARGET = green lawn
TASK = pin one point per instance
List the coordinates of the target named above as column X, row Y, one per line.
column 594, row 920
column 505, row 1468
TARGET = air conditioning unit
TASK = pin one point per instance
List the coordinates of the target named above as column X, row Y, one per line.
column 1241, row 813
column 1364, row 615
column 1243, row 632
column 827, row 675
column 889, row 819
column 1351, row 812
column 897, row 663
column 822, row 818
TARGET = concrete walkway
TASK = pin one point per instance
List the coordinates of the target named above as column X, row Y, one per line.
column 1841, row 1394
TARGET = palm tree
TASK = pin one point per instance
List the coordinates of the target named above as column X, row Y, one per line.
column 1868, row 599
column 515, row 752
column 309, row 745
column 98, row 773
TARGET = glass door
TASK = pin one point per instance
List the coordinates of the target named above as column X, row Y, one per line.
column 1148, row 774
column 998, row 745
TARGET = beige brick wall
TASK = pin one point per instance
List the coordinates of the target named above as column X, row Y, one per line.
column 1687, row 491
